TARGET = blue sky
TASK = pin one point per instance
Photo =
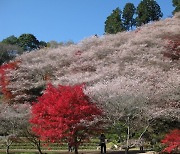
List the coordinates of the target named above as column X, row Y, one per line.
column 61, row 20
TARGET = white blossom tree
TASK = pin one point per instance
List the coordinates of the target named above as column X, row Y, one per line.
column 13, row 119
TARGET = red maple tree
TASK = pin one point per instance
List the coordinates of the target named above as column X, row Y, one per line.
column 4, row 81
column 66, row 114
column 172, row 141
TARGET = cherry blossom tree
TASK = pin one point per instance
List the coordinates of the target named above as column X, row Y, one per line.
column 14, row 118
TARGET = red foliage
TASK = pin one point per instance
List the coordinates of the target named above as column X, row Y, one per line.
column 172, row 141
column 64, row 113
column 4, row 82
column 173, row 47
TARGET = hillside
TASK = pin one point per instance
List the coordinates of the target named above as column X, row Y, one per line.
column 138, row 68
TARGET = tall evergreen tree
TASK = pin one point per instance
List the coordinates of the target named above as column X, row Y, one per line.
column 176, row 4
column 28, row 42
column 147, row 11
column 113, row 23
column 127, row 16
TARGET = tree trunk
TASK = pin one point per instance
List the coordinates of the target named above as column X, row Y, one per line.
column 126, row 150
column 7, row 149
column 39, row 147
column 39, row 150
column 8, row 143
column 127, row 140
column 75, row 145
column 75, row 150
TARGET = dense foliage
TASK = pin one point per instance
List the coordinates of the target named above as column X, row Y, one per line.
column 8, row 52
column 176, row 4
column 66, row 114
column 4, row 81
column 147, row 11
column 113, row 23
column 11, row 40
column 128, row 16
column 28, row 42
column 172, row 141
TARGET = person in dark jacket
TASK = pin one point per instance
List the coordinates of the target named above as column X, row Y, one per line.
column 102, row 139
column 70, row 147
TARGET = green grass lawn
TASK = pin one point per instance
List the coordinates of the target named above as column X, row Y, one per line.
column 25, row 147
column 23, row 151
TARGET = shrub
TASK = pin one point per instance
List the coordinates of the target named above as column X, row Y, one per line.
column 172, row 141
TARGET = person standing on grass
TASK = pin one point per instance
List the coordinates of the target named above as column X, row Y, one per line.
column 102, row 139
column 70, row 147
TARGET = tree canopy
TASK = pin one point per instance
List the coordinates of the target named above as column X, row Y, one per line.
column 10, row 40
column 176, row 4
column 65, row 113
column 172, row 141
column 127, row 16
column 147, row 11
column 28, row 42
column 113, row 23
column 8, row 52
